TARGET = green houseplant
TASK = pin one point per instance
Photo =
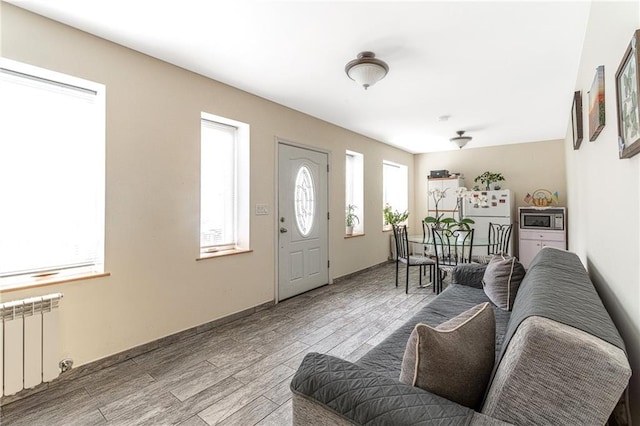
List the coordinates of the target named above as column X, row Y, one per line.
column 351, row 218
column 392, row 217
column 487, row 178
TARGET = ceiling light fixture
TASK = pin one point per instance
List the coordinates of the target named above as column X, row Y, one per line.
column 367, row 69
column 460, row 140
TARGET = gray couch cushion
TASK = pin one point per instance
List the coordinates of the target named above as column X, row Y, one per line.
column 469, row 274
column 501, row 280
column 455, row 359
column 366, row 398
column 386, row 357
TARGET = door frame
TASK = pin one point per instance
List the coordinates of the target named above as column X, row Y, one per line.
column 276, row 224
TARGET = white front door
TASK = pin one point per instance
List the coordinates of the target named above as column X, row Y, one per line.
column 303, row 258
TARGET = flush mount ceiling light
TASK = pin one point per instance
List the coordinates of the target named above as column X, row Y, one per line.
column 367, row 69
column 460, row 140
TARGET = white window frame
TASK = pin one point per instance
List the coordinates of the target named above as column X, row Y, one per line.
column 241, row 170
column 354, row 187
column 395, row 187
column 41, row 268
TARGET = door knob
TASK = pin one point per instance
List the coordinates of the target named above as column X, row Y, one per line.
column 283, row 230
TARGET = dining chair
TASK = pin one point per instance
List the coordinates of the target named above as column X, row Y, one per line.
column 403, row 255
column 498, row 240
column 452, row 247
column 426, row 234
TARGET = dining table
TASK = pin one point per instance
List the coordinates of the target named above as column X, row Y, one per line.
column 426, row 244
column 428, row 240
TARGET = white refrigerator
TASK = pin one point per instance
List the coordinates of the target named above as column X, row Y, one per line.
column 489, row 206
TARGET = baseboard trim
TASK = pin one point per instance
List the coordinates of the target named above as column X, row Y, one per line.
column 127, row 354
column 353, row 274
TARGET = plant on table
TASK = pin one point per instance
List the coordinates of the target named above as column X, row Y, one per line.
column 436, row 221
column 450, row 224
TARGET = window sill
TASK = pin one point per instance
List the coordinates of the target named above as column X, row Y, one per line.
column 50, row 280
column 389, row 229
column 353, row 236
column 221, row 253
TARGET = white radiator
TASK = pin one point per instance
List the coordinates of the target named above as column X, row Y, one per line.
column 29, row 350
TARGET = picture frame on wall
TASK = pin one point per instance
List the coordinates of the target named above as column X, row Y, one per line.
column 596, row 105
column 576, row 119
column 628, row 114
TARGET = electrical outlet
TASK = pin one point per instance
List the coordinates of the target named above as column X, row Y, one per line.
column 262, row 209
column 66, row 365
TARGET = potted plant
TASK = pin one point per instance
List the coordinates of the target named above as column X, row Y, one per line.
column 450, row 224
column 487, row 178
column 437, row 195
column 392, row 217
column 351, row 219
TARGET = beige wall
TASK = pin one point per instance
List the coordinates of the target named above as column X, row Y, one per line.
column 526, row 167
column 604, row 192
column 156, row 287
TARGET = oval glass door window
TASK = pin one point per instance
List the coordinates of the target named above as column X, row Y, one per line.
column 304, row 200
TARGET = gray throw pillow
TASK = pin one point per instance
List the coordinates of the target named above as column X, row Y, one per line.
column 455, row 359
column 502, row 279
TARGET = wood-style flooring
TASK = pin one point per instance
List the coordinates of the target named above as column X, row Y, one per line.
column 235, row 374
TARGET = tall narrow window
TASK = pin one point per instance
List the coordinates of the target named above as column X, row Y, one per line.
column 354, row 190
column 395, row 193
column 52, row 174
column 224, row 191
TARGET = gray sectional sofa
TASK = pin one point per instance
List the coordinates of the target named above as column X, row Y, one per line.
column 559, row 360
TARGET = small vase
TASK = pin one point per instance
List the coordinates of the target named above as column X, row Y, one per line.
column 349, row 230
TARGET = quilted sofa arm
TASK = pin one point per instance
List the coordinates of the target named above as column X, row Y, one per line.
column 469, row 274
column 329, row 390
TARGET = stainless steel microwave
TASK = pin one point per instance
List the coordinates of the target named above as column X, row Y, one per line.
column 549, row 218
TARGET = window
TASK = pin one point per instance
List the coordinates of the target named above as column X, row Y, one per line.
column 395, row 186
column 52, row 174
column 224, row 185
column 354, row 190
column 304, row 200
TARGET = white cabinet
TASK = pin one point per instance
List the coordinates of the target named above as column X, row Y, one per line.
column 532, row 241
column 448, row 204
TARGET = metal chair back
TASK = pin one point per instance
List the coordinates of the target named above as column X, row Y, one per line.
column 452, row 247
column 499, row 238
column 426, row 234
column 402, row 241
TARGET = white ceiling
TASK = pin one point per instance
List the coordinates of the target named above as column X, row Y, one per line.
column 503, row 71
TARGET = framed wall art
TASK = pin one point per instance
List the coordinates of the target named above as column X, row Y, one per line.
column 627, row 83
column 576, row 119
column 596, row 104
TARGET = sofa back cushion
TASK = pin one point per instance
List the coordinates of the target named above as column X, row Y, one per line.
column 455, row 359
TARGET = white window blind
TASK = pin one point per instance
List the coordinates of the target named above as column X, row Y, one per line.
column 218, row 187
column 354, row 187
column 395, row 179
column 52, row 172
